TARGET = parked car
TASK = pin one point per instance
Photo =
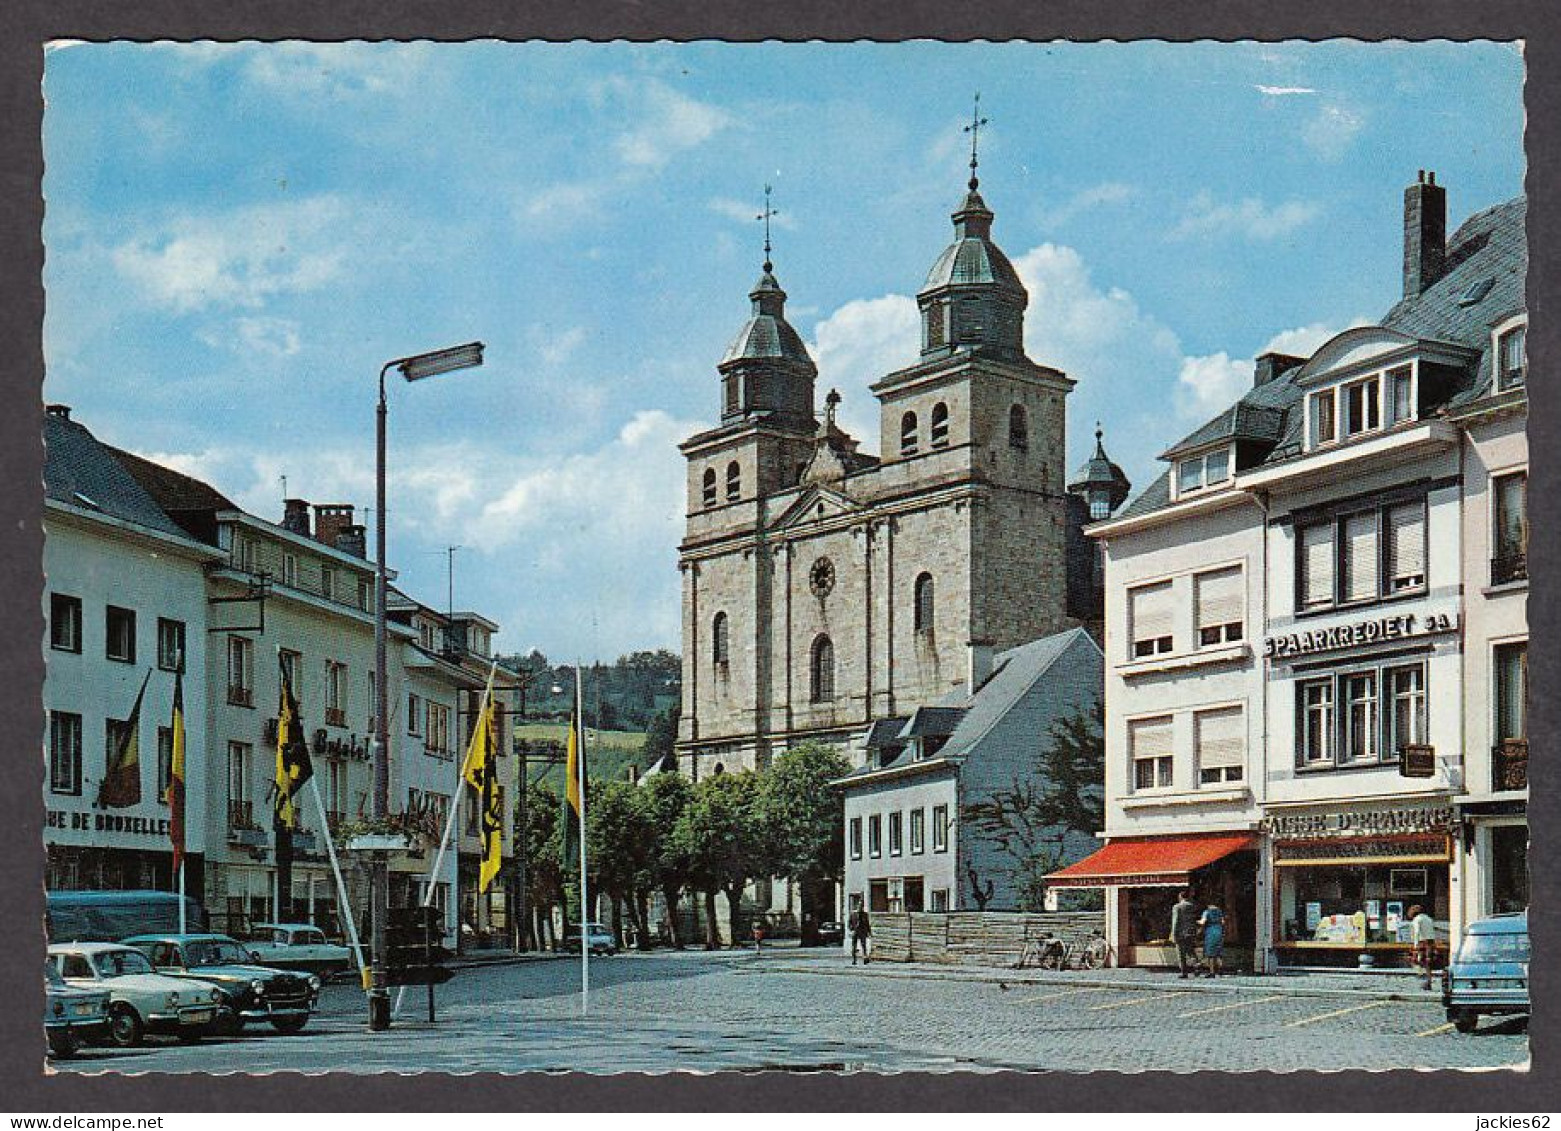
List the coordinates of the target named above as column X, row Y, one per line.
column 830, row 933
column 298, row 946
column 1489, row 974
column 598, row 937
column 140, row 999
column 112, row 916
column 71, row 1015
column 250, row 993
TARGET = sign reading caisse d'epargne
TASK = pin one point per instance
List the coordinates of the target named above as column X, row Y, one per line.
column 1377, row 630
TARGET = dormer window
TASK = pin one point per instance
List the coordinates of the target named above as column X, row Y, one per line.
column 1401, row 395
column 1512, row 358
column 1362, row 406
column 1207, row 470
column 1323, row 426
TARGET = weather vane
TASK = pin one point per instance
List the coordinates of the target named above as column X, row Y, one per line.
column 974, row 130
column 765, row 216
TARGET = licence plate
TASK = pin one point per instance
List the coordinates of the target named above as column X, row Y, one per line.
column 195, row 1017
column 84, row 1009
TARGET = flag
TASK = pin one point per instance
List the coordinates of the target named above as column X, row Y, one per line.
column 482, row 773
column 574, row 801
column 122, row 778
column 293, row 767
column 175, row 794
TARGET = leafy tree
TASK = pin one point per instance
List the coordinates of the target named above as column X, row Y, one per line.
column 664, row 797
column 1062, row 794
column 803, row 820
column 618, row 847
column 542, row 847
column 718, row 834
column 661, row 737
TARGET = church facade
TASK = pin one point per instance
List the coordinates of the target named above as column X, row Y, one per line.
column 824, row 587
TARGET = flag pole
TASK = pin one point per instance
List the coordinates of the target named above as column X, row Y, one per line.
column 585, row 944
column 341, row 886
column 183, row 925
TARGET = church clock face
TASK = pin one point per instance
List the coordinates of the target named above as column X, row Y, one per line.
column 821, row 578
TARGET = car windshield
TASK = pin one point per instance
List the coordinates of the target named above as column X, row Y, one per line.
column 118, row 963
column 214, row 952
column 308, row 938
column 51, row 975
column 1511, row 947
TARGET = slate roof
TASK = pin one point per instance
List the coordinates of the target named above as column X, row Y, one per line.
column 173, row 490
column 767, row 335
column 81, row 471
column 1459, row 308
column 1014, row 673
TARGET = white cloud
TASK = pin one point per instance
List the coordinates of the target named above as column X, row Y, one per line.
column 1085, row 200
column 1248, row 219
column 1283, row 91
column 662, row 122
column 750, row 213
column 237, row 259
column 555, row 347
column 557, row 207
column 1303, row 341
column 1207, row 385
column 856, row 345
column 1330, row 132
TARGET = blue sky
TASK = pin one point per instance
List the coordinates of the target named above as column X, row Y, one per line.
column 238, row 236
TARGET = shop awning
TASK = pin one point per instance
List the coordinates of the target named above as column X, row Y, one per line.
column 1162, row 861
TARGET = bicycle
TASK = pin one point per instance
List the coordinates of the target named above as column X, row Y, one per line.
column 1097, row 953
column 1048, row 952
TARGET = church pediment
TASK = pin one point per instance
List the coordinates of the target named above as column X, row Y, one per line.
column 816, row 504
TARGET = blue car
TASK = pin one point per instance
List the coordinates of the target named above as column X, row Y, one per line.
column 1489, row 974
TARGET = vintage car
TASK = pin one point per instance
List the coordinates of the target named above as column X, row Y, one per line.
column 250, row 992
column 140, row 999
column 297, row 946
column 1489, row 974
column 598, row 937
column 71, row 1016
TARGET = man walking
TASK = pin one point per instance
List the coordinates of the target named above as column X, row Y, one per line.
column 1184, row 931
column 1422, row 933
column 861, row 937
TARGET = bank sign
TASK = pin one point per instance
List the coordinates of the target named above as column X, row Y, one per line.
column 1361, row 633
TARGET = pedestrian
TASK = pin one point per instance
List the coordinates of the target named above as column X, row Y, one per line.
column 758, row 937
column 1184, row 931
column 861, row 937
column 1213, row 923
column 1422, row 934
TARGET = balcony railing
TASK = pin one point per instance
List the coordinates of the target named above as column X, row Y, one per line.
column 241, row 814
column 241, row 696
column 1508, row 567
column 335, row 716
column 1509, row 761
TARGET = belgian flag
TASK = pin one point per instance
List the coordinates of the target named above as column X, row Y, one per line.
column 175, row 794
column 122, row 780
column 293, row 767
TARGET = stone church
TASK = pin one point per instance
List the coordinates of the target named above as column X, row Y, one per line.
column 825, row 587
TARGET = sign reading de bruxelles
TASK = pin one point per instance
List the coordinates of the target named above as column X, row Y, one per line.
column 1361, row 632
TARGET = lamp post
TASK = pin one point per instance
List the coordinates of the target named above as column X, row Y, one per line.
column 413, row 368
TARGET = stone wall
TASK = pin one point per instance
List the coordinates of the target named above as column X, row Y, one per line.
column 975, row 938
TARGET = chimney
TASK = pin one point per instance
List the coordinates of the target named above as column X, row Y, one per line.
column 1271, row 365
column 353, row 539
column 295, row 516
column 1425, row 234
column 980, row 666
column 330, row 519
column 61, row 411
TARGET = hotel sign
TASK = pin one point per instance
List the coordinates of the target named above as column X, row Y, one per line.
column 1339, row 637
column 1360, row 822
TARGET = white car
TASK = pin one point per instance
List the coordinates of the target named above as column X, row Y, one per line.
column 140, row 999
column 297, row 946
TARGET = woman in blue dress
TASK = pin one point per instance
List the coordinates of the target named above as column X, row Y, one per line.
column 1213, row 924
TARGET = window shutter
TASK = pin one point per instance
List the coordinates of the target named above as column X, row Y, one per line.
column 1152, row 611
column 1406, row 544
column 1219, row 597
column 1151, row 738
column 1360, row 556
column 1317, row 565
column 1221, row 738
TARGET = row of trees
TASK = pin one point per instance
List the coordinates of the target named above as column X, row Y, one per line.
column 671, row 836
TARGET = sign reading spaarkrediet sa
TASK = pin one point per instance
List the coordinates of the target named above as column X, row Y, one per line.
column 1376, row 630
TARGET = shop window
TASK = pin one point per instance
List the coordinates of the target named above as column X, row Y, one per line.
column 734, row 482
column 875, row 836
column 1360, row 718
column 1151, row 613
column 708, row 494
column 1407, row 723
column 1221, row 737
column 120, row 637
column 940, row 425
column 1512, row 359
column 720, row 652
column 64, row 753
column 1219, row 606
column 1150, row 745
column 940, row 828
column 170, row 644
column 1406, row 547
column 1323, row 424
column 1401, row 402
column 908, row 436
column 918, row 831
column 64, row 623
column 924, row 603
column 822, row 671
column 856, row 838
column 1510, row 537
column 1018, row 428
column 1316, row 700
column 896, row 834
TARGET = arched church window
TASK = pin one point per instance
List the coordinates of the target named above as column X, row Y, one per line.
column 940, row 425
column 734, row 482
column 924, row 603
column 719, row 644
column 1018, row 428
column 822, row 682
column 709, row 487
column 908, row 434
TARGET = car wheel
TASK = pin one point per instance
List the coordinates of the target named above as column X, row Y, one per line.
column 1466, row 1021
column 63, row 1044
column 124, row 1027
column 289, row 1024
column 227, row 1022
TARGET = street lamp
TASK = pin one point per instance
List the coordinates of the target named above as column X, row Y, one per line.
column 413, row 368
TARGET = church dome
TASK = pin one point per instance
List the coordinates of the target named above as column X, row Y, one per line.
column 1100, row 481
column 767, row 336
column 972, row 258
